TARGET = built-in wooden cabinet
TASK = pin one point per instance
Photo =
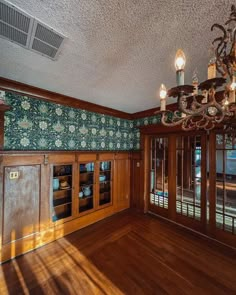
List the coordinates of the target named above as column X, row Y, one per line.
column 105, row 183
column 62, row 191
column 87, row 186
column 44, row 196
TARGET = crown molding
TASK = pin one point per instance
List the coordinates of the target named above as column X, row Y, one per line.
column 46, row 95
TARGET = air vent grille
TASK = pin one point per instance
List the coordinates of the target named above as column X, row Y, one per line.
column 14, row 18
column 48, row 36
column 19, row 27
column 13, row 34
column 44, row 48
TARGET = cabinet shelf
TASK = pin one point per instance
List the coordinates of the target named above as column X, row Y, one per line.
column 85, row 198
column 61, row 202
column 62, row 198
column 86, row 172
column 86, row 184
column 61, row 190
column 104, row 192
column 62, row 176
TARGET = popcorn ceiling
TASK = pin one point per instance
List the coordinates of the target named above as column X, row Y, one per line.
column 118, row 52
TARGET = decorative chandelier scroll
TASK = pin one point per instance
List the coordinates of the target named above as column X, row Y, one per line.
column 200, row 106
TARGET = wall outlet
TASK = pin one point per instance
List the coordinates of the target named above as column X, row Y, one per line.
column 14, row 174
column 138, row 165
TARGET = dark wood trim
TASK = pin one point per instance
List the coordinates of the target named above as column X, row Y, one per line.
column 172, row 177
column 159, row 129
column 3, row 109
column 32, row 91
column 29, row 152
column 212, row 183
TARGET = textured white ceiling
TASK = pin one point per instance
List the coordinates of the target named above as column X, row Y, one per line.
column 118, row 52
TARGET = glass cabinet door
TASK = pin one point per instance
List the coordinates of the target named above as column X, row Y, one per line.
column 86, row 186
column 105, row 183
column 62, row 191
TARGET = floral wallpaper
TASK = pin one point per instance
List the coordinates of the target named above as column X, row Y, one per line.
column 34, row 124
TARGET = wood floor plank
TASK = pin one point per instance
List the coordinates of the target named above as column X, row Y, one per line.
column 128, row 253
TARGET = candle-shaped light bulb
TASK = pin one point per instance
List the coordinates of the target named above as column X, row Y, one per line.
column 226, row 103
column 233, row 84
column 180, row 60
column 211, row 69
column 163, row 93
column 232, row 90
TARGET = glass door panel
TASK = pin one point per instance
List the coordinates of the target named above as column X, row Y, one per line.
column 87, row 186
column 62, row 191
column 105, row 183
column 188, row 176
column 226, row 182
column 159, row 172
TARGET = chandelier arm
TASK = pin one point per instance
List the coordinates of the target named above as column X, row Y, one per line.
column 201, row 109
column 220, row 27
column 175, row 120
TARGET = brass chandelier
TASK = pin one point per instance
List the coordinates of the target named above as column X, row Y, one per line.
column 200, row 106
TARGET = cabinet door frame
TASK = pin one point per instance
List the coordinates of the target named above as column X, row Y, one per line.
column 62, row 220
column 86, row 160
column 98, row 184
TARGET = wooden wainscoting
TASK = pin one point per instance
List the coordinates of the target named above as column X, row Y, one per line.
column 26, row 197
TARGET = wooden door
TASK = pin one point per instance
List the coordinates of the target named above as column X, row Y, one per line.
column 222, row 187
column 158, row 192
column 178, row 178
column 21, row 202
column 191, row 193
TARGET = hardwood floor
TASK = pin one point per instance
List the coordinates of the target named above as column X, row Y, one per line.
column 129, row 253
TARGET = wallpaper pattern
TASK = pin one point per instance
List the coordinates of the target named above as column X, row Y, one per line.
column 34, row 124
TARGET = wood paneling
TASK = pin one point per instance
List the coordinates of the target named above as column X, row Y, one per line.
column 19, row 198
column 24, row 159
column 105, row 156
column 135, row 180
column 121, row 183
column 21, row 202
column 20, row 88
column 128, row 253
column 87, row 157
column 61, row 158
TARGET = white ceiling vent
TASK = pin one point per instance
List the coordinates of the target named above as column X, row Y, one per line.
column 15, row 25
column 22, row 29
column 45, row 40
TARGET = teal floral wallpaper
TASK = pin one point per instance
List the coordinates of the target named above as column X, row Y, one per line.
column 33, row 124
